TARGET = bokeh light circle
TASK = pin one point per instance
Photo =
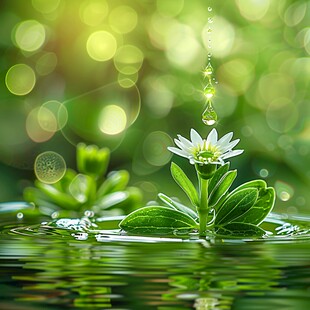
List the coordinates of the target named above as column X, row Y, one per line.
column 93, row 12
column 41, row 125
column 49, row 167
column 58, row 111
column 155, row 148
column 123, row 19
column 30, row 35
column 128, row 59
column 46, row 63
column 101, row 45
column 45, row 6
column 20, row 79
column 86, row 115
column 112, row 120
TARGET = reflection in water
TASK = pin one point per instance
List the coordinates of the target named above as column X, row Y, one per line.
column 51, row 272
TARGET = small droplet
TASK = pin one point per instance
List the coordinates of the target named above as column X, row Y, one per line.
column 209, row 30
column 49, row 167
column 209, row 91
column 209, row 116
column 210, row 20
column 209, row 55
column 20, row 215
column 208, row 70
column 209, row 9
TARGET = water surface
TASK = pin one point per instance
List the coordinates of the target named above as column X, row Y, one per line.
column 46, row 269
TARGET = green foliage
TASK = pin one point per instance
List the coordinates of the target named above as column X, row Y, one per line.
column 237, row 213
column 87, row 189
column 184, row 182
column 157, row 220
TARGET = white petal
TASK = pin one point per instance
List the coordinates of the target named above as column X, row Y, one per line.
column 230, row 145
column 195, row 137
column 232, row 154
column 185, row 142
column 178, row 151
column 180, row 144
column 225, row 140
column 212, row 137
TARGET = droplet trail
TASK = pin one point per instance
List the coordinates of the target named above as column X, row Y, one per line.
column 209, row 91
column 209, row 116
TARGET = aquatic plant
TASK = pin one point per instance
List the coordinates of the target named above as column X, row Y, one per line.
column 213, row 209
column 87, row 191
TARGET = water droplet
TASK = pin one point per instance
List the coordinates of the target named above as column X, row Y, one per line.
column 210, row 20
column 208, row 70
column 209, row 55
column 20, row 215
column 49, row 167
column 209, row 30
column 209, row 9
column 209, row 116
column 209, row 91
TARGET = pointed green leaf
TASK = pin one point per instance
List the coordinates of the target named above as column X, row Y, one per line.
column 261, row 208
column 59, row 198
column 259, row 184
column 116, row 181
column 236, row 205
column 222, row 187
column 217, row 176
column 157, row 220
column 184, row 182
column 240, row 230
column 178, row 206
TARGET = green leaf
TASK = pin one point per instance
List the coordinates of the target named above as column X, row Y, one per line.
column 236, row 205
column 217, row 176
column 116, row 181
column 183, row 181
column 125, row 200
column 59, row 198
column 83, row 188
column 240, row 230
column 222, row 187
column 178, row 206
column 157, row 220
column 262, row 207
column 259, row 184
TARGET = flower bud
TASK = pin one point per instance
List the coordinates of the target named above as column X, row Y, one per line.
column 91, row 160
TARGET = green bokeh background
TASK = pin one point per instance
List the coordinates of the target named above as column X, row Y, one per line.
column 153, row 72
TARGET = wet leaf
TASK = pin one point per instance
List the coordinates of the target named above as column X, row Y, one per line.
column 236, row 205
column 184, row 182
column 240, row 230
column 262, row 207
column 157, row 220
column 217, row 176
column 222, row 186
column 177, row 205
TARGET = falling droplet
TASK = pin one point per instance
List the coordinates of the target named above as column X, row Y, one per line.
column 209, row 9
column 209, row 30
column 209, row 116
column 209, row 91
column 210, row 20
column 208, row 70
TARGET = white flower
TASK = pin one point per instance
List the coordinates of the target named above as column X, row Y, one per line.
column 206, row 151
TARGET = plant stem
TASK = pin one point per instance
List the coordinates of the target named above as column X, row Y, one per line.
column 203, row 209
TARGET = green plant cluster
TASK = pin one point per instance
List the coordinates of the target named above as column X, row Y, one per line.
column 236, row 213
column 89, row 189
